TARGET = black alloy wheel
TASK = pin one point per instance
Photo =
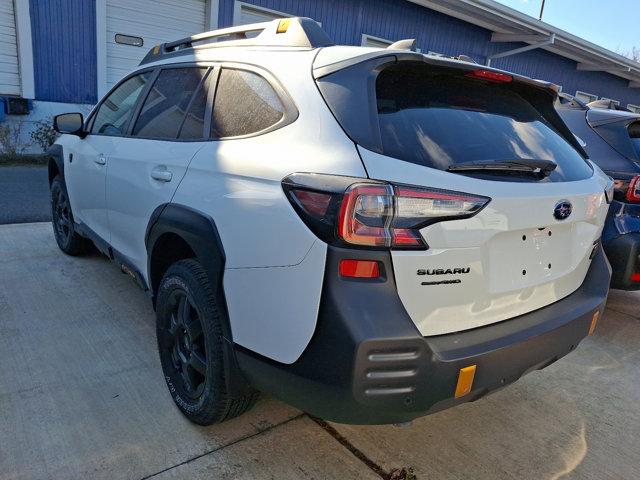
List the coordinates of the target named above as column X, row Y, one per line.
column 69, row 241
column 183, row 335
column 192, row 348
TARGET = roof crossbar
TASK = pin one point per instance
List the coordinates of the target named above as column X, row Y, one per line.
column 298, row 32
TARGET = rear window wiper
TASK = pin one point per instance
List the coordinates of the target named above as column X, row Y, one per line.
column 542, row 168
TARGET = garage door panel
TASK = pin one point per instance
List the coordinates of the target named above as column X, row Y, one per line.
column 155, row 21
column 6, row 7
column 151, row 24
column 9, row 71
column 10, row 80
column 8, row 37
column 148, row 32
column 7, row 59
column 188, row 11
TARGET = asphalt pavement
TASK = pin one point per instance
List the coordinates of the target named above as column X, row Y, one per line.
column 82, row 396
column 24, row 195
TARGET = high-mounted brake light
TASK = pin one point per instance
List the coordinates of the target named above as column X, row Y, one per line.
column 374, row 214
column 491, row 76
column 633, row 192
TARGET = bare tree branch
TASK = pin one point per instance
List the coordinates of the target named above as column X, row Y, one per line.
column 633, row 54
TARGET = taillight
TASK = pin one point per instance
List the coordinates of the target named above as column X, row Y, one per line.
column 374, row 214
column 627, row 190
column 633, row 192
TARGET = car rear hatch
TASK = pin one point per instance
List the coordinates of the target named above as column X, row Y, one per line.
column 458, row 127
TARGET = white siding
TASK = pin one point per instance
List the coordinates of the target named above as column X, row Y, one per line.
column 9, row 70
column 156, row 21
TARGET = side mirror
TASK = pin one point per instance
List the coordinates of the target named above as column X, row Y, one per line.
column 71, row 123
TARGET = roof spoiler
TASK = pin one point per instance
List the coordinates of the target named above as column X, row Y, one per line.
column 300, row 32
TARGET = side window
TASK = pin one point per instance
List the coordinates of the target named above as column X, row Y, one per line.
column 115, row 111
column 193, row 125
column 245, row 103
column 165, row 107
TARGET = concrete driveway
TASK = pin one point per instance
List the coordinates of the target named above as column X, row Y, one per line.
column 82, row 396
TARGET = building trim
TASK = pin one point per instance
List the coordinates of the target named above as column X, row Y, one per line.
column 509, row 23
column 237, row 7
column 101, row 48
column 212, row 15
column 615, row 102
column 365, row 36
column 587, row 94
column 25, row 48
column 539, row 44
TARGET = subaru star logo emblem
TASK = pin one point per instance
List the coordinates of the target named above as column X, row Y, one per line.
column 562, row 210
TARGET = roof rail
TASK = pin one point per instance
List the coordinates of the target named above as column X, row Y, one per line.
column 301, row 32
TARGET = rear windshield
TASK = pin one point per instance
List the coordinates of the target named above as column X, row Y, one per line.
column 634, row 134
column 437, row 119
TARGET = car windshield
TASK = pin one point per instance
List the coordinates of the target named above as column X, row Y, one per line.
column 439, row 120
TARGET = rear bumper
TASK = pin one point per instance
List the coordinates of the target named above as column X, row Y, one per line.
column 621, row 241
column 624, row 254
column 368, row 364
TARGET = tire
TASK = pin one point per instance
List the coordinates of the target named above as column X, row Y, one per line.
column 190, row 344
column 69, row 241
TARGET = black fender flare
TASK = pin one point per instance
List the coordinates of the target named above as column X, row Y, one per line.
column 56, row 158
column 200, row 232
column 197, row 229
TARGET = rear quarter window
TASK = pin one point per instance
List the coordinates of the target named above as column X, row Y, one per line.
column 245, row 103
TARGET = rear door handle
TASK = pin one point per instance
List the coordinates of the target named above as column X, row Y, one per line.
column 161, row 175
column 100, row 159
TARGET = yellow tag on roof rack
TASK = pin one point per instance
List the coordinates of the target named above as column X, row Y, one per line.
column 283, row 25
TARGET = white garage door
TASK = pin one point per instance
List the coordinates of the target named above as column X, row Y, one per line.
column 244, row 14
column 9, row 71
column 155, row 21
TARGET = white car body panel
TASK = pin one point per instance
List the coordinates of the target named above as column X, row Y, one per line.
column 86, row 179
column 238, row 181
column 491, row 245
column 133, row 194
column 273, row 311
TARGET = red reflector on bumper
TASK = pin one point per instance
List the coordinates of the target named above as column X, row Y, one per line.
column 359, row 269
column 635, row 277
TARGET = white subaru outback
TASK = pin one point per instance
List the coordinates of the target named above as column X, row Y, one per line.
column 370, row 235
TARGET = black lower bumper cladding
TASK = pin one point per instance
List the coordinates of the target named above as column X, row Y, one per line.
column 368, row 364
column 624, row 255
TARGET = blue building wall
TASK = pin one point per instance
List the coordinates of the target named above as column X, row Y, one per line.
column 64, row 43
column 64, row 50
column 345, row 22
column 563, row 71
